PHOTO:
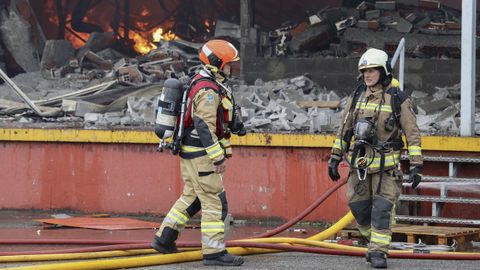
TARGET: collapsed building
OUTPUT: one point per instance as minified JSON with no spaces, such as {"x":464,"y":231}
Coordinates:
{"x":95,"y":64}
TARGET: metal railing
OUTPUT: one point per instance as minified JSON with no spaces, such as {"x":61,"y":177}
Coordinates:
{"x":400,"y":53}
{"x":443,"y":183}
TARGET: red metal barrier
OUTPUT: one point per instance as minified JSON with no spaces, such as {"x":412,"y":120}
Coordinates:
{"x":260,"y":182}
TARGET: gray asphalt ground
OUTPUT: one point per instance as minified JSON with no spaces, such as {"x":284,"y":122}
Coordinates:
{"x":294,"y":260}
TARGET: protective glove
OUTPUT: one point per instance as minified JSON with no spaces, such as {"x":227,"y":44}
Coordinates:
{"x":227,"y":147}
{"x":333,"y":168}
{"x":415,"y":176}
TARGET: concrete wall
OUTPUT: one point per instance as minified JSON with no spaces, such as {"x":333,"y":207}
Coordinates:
{"x":340,"y":73}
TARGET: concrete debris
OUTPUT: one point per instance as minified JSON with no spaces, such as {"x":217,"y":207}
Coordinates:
{"x":17,"y":35}
{"x":322,"y":33}
{"x":56,"y":54}
{"x":433,"y":106}
{"x":295,"y":104}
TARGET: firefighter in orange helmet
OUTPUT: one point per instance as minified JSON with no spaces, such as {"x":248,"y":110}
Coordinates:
{"x":209,"y":120}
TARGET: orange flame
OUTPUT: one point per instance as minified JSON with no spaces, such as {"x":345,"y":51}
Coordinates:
{"x":142,"y":37}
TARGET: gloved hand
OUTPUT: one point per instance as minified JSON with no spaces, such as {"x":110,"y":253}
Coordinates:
{"x":333,"y":168}
{"x":227,"y":147}
{"x":415,"y":176}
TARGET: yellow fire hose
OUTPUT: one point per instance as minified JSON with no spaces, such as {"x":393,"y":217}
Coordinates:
{"x":159,"y":259}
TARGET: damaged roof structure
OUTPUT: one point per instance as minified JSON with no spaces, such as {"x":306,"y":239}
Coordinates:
{"x":71,"y":69}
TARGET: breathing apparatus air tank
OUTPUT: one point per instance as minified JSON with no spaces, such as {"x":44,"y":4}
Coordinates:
{"x":168,"y":109}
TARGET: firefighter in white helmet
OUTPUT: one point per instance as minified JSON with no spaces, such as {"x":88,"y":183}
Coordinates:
{"x":375,"y":116}
{"x":209,"y":120}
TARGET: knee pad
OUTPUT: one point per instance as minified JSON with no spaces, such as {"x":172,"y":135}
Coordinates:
{"x":362,"y":211}
{"x":381,"y":213}
{"x":194,"y":207}
{"x":223,"y":200}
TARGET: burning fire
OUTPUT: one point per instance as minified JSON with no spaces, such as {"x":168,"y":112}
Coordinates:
{"x":144,"y":42}
{"x":142,"y":36}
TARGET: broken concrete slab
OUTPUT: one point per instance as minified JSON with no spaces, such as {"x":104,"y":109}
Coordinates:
{"x":385,"y":5}
{"x":447,"y":113}
{"x":372,"y":14}
{"x":16,"y":34}
{"x":95,"y":59}
{"x":368,"y":24}
{"x":227,"y":29}
{"x":80,"y":107}
{"x":403,"y":26}
{"x":56,"y":54}
{"x":433,"y":106}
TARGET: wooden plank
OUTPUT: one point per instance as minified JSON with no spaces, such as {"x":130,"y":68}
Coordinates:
{"x":436,"y":230}
{"x":411,"y":238}
{"x":318,"y":104}
{"x":441,"y":234}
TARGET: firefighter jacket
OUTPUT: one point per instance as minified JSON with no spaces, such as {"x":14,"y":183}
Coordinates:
{"x":208,"y":113}
{"x":369,"y":106}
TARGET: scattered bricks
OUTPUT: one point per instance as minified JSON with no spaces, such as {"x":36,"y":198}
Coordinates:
{"x":429,"y":4}
{"x":130,"y":74}
{"x":452,"y":25}
{"x":434,"y":106}
{"x":385,"y":5}
{"x":413,"y":3}
{"x":403,"y":26}
{"x":372,"y":25}
{"x":313,"y":38}
{"x":97,"y":60}
{"x":372,"y":14}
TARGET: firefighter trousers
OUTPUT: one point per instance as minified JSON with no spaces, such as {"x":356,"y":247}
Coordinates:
{"x":373,"y":206}
{"x":203,"y":190}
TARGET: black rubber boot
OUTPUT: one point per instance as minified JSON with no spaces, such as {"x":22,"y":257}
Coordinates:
{"x":377,"y":259}
{"x":223,"y":259}
{"x":166,"y":243}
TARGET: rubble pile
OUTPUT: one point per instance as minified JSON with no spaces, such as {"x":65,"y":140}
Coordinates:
{"x":296,"y":104}
{"x":345,"y":31}
{"x":99,"y":84}
{"x":440,"y":113}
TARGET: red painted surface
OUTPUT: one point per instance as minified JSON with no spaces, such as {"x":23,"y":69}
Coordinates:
{"x":133,"y":178}
{"x":261,"y":182}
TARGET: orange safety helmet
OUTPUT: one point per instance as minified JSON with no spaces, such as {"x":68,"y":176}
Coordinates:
{"x":216,"y":53}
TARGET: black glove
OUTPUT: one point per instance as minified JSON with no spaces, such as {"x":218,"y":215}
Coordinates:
{"x":333,"y":169}
{"x":415,"y":175}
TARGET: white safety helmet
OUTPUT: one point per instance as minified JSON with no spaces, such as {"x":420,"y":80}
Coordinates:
{"x":374,"y":58}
